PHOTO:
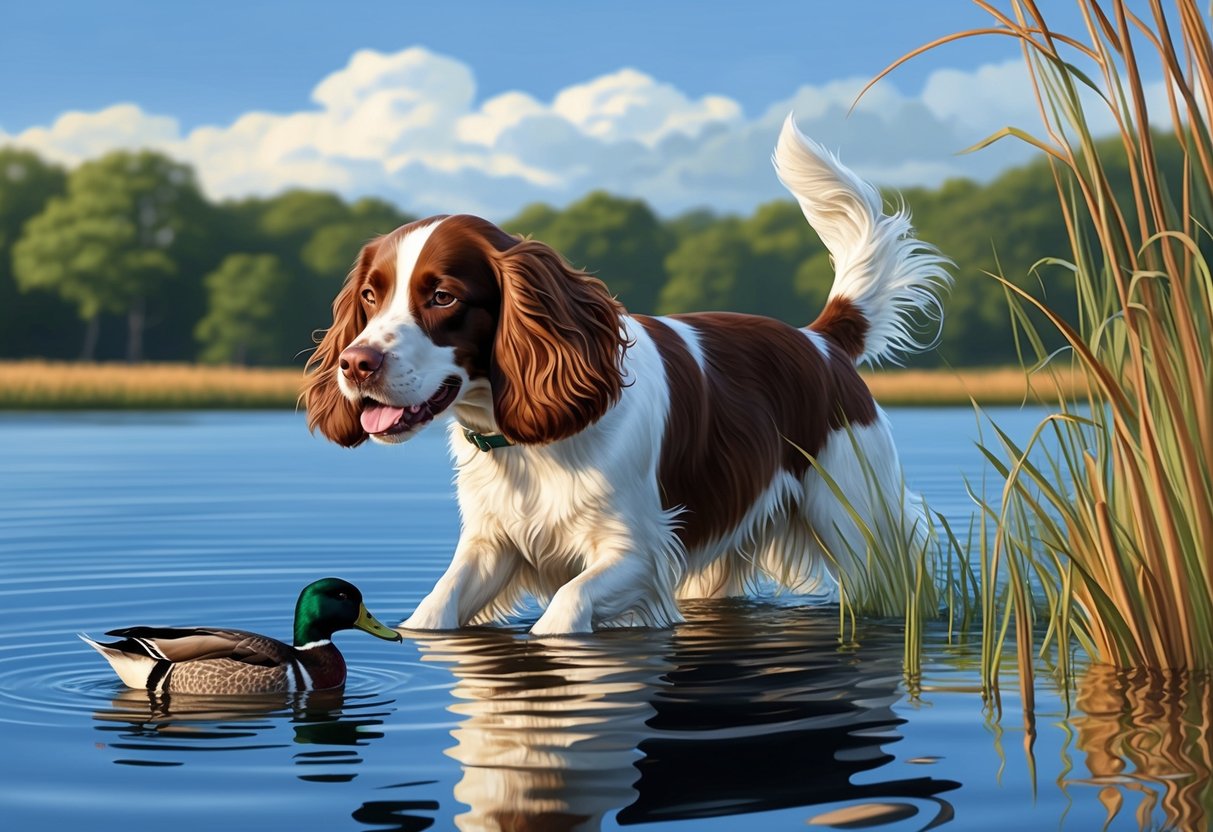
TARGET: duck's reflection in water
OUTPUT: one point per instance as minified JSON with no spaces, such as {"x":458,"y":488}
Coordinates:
{"x":746,"y":708}
{"x":161,"y":729}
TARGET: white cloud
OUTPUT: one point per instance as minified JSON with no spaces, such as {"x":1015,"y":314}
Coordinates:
{"x":631,"y":105}
{"x":995,"y":96}
{"x":496,"y":116}
{"x":407,"y":126}
{"x":76,"y":136}
{"x":984,"y":100}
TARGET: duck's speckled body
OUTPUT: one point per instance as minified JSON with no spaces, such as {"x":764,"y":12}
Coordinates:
{"x":220,"y":660}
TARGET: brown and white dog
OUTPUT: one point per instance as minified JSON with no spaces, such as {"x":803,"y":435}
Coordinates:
{"x":609,"y":463}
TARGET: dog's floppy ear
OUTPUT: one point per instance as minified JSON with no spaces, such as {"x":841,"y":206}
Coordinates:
{"x":327,"y":409}
{"x":558,"y":352}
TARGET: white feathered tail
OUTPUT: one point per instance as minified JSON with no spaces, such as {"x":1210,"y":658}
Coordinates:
{"x":892,"y":278}
{"x":134,"y":670}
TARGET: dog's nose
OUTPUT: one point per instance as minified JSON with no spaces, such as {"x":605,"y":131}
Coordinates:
{"x":360,"y":363}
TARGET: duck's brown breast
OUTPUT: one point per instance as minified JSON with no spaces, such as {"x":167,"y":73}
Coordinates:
{"x":322,"y":665}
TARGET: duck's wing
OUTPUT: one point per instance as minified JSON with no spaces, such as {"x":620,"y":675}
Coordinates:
{"x":190,"y":644}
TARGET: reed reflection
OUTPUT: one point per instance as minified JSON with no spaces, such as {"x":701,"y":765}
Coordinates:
{"x":1149,"y":735}
{"x":158,"y":729}
{"x":747,"y":707}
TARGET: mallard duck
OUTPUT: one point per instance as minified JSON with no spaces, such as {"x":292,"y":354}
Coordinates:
{"x":218,"y":660}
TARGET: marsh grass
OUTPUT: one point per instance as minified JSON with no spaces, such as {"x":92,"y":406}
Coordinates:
{"x":893,"y":568}
{"x":1108,"y":507}
{"x":36,"y":385}
{"x":43,"y":385}
{"x":990,"y":387}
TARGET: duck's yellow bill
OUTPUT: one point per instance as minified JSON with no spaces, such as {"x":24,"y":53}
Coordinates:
{"x":370,"y":624}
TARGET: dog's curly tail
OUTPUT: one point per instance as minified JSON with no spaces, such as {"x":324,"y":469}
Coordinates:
{"x":886,"y":282}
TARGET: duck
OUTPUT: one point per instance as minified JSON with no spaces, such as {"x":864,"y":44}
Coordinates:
{"x":214,"y":660}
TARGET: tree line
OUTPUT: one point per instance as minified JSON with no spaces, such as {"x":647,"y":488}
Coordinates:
{"x":124,"y":258}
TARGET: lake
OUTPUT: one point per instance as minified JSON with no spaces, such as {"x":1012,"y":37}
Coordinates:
{"x":749,"y":716}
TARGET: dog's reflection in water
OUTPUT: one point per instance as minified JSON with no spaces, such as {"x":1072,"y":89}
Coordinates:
{"x":748,"y":707}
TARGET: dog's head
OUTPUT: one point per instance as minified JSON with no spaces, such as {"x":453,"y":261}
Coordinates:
{"x":453,"y":312}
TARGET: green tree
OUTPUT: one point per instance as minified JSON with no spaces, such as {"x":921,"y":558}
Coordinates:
{"x":1003,"y":227}
{"x":779,"y":230}
{"x":742,"y":265}
{"x":294,"y":215}
{"x":689,"y":222}
{"x":316,"y":236}
{"x":619,"y":240}
{"x":27,"y":183}
{"x":705,"y":269}
{"x":245,"y":294}
{"x":107,"y":245}
{"x":333,"y":246}
{"x":780,"y":241}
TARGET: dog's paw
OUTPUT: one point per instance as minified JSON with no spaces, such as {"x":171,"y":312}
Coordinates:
{"x":431,"y":617}
{"x":564,"y":616}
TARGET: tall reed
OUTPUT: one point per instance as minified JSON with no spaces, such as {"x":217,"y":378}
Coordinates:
{"x":1110,"y":504}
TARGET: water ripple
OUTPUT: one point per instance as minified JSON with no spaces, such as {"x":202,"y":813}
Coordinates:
{"x":749,"y":708}
{"x":44,"y":684}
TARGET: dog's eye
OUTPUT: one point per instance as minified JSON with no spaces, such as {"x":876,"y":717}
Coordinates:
{"x":368,"y":295}
{"x":443,"y":298}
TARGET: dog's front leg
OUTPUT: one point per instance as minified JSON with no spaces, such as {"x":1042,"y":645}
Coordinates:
{"x":479,"y":571}
{"x":608,"y":588}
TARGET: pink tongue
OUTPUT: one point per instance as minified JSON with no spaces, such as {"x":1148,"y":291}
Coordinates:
{"x":379,"y":417}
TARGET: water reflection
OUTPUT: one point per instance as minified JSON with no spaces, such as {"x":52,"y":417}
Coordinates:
{"x":159,"y":729}
{"x":1148,"y":736}
{"x":748,"y":707}
{"x":396,"y":815}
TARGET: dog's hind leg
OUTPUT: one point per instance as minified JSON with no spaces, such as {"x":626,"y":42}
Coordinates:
{"x":726,"y":576}
{"x":792,"y":557}
{"x":875,"y":528}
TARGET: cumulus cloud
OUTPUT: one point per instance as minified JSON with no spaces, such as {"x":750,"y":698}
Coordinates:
{"x":75,"y":136}
{"x":408,"y":126}
{"x":631,"y":105}
{"x":995,"y":94}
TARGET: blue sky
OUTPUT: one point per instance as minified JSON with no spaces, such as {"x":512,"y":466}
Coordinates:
{"x":209,"y":62}
{"x":487,"y":106}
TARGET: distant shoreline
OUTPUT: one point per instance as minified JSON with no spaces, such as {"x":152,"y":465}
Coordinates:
{"x":51,"y":385}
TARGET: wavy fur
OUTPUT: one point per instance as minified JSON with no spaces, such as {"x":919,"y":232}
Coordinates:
{"x":653,"y":459}
{"x":328,"y":410}
{"x":893,"y":278}
{"x":559,"y":346}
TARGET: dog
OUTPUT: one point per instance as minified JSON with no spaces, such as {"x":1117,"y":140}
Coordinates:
{"x":609,"y":464}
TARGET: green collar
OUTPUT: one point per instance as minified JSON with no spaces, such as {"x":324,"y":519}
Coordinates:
{"x":486,"y":441}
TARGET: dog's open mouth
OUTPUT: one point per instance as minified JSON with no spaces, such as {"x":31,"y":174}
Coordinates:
{"x":385,"y":420}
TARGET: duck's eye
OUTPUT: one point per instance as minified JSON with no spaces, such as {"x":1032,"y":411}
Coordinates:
{"x":343,"y":596}
{"x":368,"y":295}
{"x":443,"y":298}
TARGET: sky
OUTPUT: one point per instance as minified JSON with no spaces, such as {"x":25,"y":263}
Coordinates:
{"x":485,"y":107}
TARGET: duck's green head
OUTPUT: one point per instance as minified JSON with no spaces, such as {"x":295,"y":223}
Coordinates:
{"x":332,"y":604}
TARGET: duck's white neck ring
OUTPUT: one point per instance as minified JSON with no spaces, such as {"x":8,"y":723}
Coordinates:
{"x":313,"y":644}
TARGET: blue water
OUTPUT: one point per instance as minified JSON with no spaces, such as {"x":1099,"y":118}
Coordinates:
{"x":749,"y":716}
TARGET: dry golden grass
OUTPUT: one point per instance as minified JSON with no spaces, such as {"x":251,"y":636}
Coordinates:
{"x":32,"y":385}
{"x":35,"y":385}
{"x":1008,"y":385}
